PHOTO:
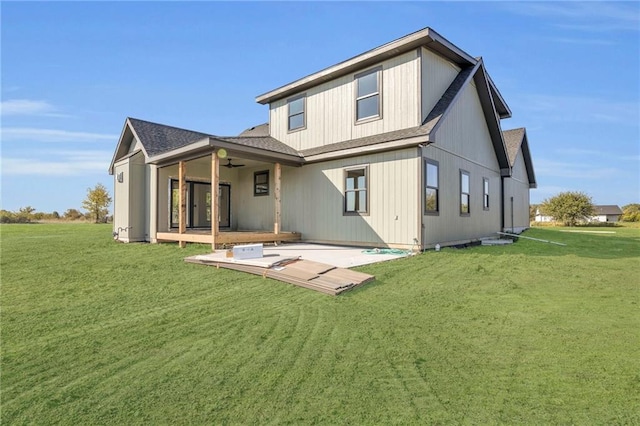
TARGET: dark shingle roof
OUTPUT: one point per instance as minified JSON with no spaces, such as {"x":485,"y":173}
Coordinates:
{"x":607,"y":209}
{"x":262,"y":142}
{"x":513,"y":139}
{"x":368,"y":140}
{"x":447,"y":98}
{"x":259,"y":130}
{"x":158,"y":138}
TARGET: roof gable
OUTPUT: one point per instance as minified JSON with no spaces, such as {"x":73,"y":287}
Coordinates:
{"x":478,"y":74}
{"x":426,"y":37}
{"x":607,"y":210}
{"x":517,"y":142}
{"x":161,"y":142}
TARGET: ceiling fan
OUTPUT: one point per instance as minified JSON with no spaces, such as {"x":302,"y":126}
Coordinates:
{"x":229,"y":165}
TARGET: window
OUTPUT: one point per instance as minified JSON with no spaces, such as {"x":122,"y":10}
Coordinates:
{"x":464,"y":193}
{"x":296,"y":113}
{"x":485,"y":193}
{"x":355,"y":191}
{"x":368,"y":95}
{"x":261,"y":183}
{"x":431,"y":186}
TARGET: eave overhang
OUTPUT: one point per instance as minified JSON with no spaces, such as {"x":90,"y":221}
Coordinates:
{"x":426,"y":37}
{"x":208,"y":145}
{"x":127,"y":130}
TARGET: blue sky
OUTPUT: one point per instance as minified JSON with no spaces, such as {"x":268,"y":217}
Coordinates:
{"x":73,"y":71}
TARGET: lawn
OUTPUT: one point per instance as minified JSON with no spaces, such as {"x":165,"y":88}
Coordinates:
{"x":99,"y":332}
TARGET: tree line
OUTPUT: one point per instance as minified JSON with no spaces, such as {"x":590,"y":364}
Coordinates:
{"x":95,"y":205}
{"x":573,"y":207}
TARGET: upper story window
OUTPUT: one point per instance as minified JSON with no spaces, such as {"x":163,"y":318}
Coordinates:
{"x":296,"y":113}
{"x":368,"y":99}
{"x":355,"y":190}
{"x":431,"y":187}
{"x":464,"y":193}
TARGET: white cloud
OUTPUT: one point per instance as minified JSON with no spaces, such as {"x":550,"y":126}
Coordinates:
{"x":582,"y":170}
{"x":588,"y":41}
{"x":584,"y":16}
{"x":68,"y":163}
{"x":559,"y":108}
{"x":28,"y":107}
{"x":592,"y":153}
{"x":28,"y":134}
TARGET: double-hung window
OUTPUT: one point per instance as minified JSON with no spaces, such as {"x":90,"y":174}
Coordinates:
{"x":368,"y":100}
{"x":464,"y":193}
{"x":356,"y":200}
{"x":296,"y":113}
{"x":485,"y":193}
{"x":261,"y":183}
{"x":431,"y":187}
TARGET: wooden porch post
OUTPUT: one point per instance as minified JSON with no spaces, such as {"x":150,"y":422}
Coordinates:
{"x":182,"y":201}
{"x":277,"y":181}
{"x":215,"y":178}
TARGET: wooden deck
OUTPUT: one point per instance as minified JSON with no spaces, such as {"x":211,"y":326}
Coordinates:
{"x":228,"y":238}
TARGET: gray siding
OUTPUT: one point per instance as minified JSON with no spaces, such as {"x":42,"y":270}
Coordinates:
{"x":463,"y":142}
{"x":517,"y":187}
{"x":254,"y":212}
{"x":130,"y":209}
{"x":330,"y":107}
{"x":313,"y":201}
{"x":437,"y":74}
{"x":121,"y":198}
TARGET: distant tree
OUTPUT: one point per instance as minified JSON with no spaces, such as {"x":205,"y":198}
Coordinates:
{"x":25,"y":214}
{"x":72,"y":214}
{"x":55,"y":215}
{"x":97,"y":202}
{"x":568,"y":207}
{"x":7,"y":217}
{"x":533,"y":209}
{"x":631,"y":213}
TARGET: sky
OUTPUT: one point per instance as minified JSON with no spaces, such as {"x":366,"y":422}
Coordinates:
{"x":73,"y":71}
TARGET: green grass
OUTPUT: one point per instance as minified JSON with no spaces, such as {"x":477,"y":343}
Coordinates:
{"x":98,"y":332}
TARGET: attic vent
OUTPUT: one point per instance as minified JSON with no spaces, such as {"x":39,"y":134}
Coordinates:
{"x":120,"y":177}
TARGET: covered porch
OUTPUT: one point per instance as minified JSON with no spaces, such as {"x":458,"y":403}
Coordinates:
{"x":239,"y":186}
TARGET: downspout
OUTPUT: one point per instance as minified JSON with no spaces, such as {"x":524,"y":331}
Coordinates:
{"x":419,"y":239}
{"x":502,"y":203}
{"x":511,"y":214}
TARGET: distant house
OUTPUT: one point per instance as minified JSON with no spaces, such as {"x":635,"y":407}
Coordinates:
{"x":401,"y":146}
{"x":541,"y":217}
{"x":607,"y":213}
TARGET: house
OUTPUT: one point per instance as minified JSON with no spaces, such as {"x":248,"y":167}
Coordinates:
{"x":608,"y":213}
{"x":542,"y":218}
{"x":517,"y":184}
{"x":400,"y":146}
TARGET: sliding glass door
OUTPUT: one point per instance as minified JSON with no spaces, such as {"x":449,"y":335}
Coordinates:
{"x":199,"y":205}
